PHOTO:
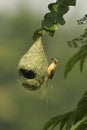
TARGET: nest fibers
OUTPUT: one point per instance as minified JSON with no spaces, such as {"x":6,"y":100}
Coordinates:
{"x":33,"y":67}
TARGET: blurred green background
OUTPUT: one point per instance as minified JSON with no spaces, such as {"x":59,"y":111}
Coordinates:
{"x":21,"y":109}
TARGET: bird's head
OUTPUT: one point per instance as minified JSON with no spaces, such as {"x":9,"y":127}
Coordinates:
{"x":54,"y":60}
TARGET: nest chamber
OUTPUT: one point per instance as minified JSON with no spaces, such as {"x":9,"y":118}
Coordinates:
{"x":32,"y":67}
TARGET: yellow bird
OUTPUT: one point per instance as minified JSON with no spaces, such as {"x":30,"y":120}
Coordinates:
{"x":50,"y":73}
{"x":51,"y":68}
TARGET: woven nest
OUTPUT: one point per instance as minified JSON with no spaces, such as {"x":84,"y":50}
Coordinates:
{"x":33,"y":67}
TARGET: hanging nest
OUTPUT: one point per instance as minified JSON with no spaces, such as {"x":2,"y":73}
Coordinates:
{"x":33,"y":67}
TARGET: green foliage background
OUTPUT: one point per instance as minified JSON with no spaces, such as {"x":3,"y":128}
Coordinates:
{"x":23,"y":110}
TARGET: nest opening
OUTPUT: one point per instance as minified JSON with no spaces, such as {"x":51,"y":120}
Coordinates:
{"x":29,"y":74}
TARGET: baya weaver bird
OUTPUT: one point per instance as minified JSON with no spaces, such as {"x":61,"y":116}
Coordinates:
{"x":50,"y":73}
{"x":51,"y":68}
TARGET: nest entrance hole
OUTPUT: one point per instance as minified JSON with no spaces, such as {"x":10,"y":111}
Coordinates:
{"x":29,"y":74}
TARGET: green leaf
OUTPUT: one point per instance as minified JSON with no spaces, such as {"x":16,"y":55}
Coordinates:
{"x":57,"y":121}
{"x":75,"y":58}
{"x":61,"y":20}
{"x":78,"y":124}
{"x":83,"y":101}
{"x":82,"y":61}
{"x":82,"y":127}
{"x":50,"y":22}
{"x":61,"y":120}
{"x":53,"y":7}
{"x":55,"y":16}
{"x":79,"y":112}
{"x":65,"y":119}
{"x":59,"y":1}
{"x":74,"y":120}
{"x":71,"y":62}
{"x":49,"y":26}
{"x":69,"y":2}
{"x":51,"y":17}
{"x":62,"y":9}
{"x":51,"y":122}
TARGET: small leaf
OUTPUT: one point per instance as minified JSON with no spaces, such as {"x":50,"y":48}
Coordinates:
{"x":75,"y":58}
{"x":65,"y":119}
{"x":59,"y":1}
{"x":51,"y":122}
{"x":83,"y":126}
{"x":51,"y":17}
{"x":49,"y":26}
{"x":57,"y":121}
{"x":53,"y":7}
{"x":71,"y":62}
{"x":80,"y":111}
{"x":83,"y":101}
{"x":82,"y":61}
{"x":78,"y":124}
{"x":50,"y":22}
{"x":62,"y":9}
{"x":69,"y":2}
{"x":48,"y":124}
{"x":61,"y":20}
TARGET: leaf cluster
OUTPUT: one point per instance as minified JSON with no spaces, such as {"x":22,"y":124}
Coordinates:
{"x":52,"y":19}
{"x":80,"y":43}
{"x":83,"y":20}
{"x":82,"y":39}
{"x":74,"y":120}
